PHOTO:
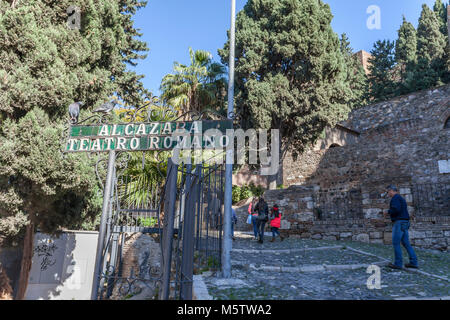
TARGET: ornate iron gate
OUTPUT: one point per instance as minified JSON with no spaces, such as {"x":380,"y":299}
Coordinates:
{"x":184,"y":215}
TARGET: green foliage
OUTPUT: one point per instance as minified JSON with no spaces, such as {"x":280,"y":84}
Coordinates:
{"x":431,"y":49}
{"x":421,"y":56}
{"x":145,"y":170}
{"x":245,"y":192}
{"x":45,"y":67}
{"x":45,"y":64}
{"x":406,"y":45}
{"x":406,"y":55}
{"x":381,"y":66}
{"x":290,"y":72}
{"x":196,"y":87}
{"x":212,"y":262}
{"x":440,"y":9}
{"x":356,"y":75}
{"x":148,"y":222}
{"x":40,"y":184}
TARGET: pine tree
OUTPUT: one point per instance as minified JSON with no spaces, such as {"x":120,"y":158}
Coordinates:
{"x":381,"y":66}
{"x":356,"y":75}
{"x":290,"y":72}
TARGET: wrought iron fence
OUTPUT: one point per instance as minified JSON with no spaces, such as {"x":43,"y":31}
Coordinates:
{"x":338,"y":205}
{"x":184,"y":215}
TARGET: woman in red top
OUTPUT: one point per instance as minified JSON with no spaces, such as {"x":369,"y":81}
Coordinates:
{"x":275,"y":223}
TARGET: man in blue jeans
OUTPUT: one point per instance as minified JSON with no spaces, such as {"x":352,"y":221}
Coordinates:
{"x":398,"y":211}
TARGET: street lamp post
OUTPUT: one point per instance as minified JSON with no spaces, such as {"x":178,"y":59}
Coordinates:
{"x":227,"y":243}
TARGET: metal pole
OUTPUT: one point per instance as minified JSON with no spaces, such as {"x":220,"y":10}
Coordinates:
{"x":227,"y":243}
{"x":102,"y":231}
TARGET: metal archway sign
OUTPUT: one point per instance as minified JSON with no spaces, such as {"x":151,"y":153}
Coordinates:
{"x":101,"y":137}
{"x":143,"y":136}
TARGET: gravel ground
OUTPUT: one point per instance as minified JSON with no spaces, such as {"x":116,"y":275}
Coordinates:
{"x":253,"y":277}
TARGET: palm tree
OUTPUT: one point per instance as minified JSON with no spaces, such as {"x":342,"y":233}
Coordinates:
{"x":196,"y":87}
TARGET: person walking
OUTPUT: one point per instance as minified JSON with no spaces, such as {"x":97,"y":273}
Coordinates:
{"x":254,"y":214}
{"x":234,"y":221}
{"x":398,"y":212}
{"x":275,"y":223}
{"x":263,"y":216}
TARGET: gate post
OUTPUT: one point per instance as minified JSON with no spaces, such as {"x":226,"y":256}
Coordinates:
{"x":168,"y":231}
{"x":187,"y":267}
{"x":102,"y":231}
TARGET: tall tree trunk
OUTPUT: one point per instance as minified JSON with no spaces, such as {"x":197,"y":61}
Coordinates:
{"x":27,"y":257}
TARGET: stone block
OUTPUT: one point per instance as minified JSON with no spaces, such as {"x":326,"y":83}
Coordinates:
{"x":345,"y":235}
{"x":447,"y":233}
{"x":304,"y":216}
{"x":305,"y":235}
{"x":330,"y":238}
{"x":285,"y":225}
{"x":417,"y":234}
{"x":434,"y":234}
{"x":371,"y":213}
{"x":376,"y":235}
{"x":363,"y":237}
{"x":378,"y":241}
{"x":317,"y":236}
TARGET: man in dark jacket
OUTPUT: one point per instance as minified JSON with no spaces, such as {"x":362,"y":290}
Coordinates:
{"x":263,"y":216}
{"x":398,"y":212}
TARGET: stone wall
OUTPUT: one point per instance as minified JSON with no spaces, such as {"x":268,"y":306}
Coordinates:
{"x":335,"y":188}
{"x":140,"y":259}
{"x":400,"y":141}
{"x":301,"y":219}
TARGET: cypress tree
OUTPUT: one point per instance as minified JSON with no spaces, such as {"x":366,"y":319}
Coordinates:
{"x":381,"y":78}
{"x":406,"y":53}
{"x":431,"y":51}
{"x":46,"y":66}
{"x":406,"y":45}
{"x":440,"y":9}
{"x":290,"y":72}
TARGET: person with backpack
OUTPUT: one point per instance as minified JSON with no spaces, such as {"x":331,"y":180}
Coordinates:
{"x":275,"y":223}
{"x":263,"y":216}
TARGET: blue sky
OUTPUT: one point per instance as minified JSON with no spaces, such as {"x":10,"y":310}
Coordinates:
{"x":171,"y":26}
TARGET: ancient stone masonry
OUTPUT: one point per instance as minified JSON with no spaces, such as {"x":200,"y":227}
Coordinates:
{"x":336,"y":187}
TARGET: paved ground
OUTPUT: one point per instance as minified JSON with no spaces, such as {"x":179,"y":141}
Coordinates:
{"x":317,"y":269}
